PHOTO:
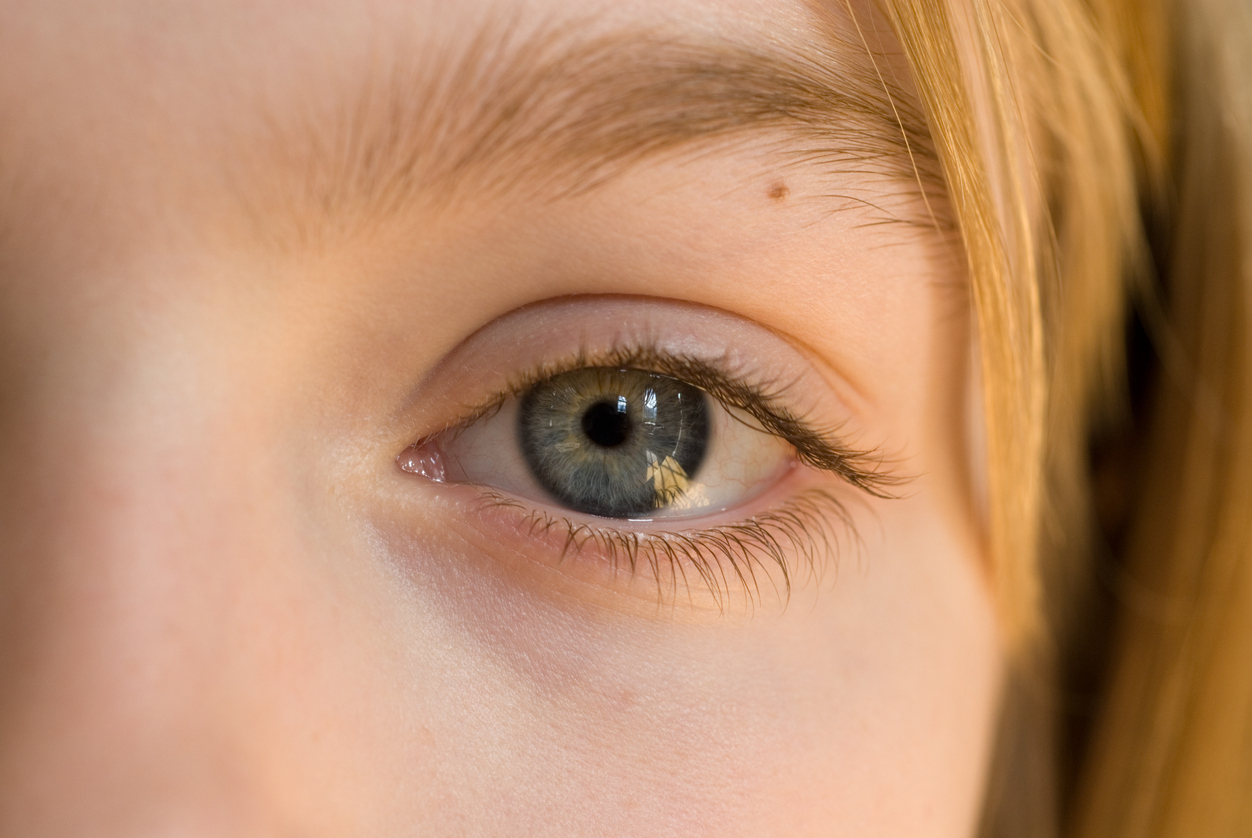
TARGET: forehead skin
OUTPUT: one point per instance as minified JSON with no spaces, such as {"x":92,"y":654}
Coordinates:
{"x":235,"y":237}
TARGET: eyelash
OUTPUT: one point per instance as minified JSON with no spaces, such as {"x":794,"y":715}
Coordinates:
{"x":797,"y":537}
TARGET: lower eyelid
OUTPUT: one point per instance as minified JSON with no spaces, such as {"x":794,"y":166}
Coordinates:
{"x":793,"y":537}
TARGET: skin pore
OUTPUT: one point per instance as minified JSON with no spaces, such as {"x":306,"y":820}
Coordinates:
{"x":252,"y":253}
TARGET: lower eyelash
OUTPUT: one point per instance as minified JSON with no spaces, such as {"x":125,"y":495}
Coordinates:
{"x":796,"y":543}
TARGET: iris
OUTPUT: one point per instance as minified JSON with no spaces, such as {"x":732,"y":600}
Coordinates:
{"x":618,"y":443}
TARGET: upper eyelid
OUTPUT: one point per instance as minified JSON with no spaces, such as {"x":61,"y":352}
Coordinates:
{"x":866,"y":470}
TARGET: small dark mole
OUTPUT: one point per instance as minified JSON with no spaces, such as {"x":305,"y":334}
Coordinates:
{"x":779,"y":191}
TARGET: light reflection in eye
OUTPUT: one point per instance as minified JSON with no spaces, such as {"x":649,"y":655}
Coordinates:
{"x":649,"y":406}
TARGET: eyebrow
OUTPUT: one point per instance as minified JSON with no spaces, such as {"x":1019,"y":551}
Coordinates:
{"x":558,"y":113}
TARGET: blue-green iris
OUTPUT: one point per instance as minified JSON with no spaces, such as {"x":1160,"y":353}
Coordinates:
{"x":601,"y":440}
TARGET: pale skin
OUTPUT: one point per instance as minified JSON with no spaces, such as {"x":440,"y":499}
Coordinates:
{"x":225,"y":609}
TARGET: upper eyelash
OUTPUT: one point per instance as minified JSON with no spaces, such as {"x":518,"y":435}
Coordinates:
{"x":865,"y":470}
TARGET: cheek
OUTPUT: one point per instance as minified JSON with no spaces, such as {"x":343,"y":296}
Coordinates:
{"x":899,"y":671}
{"x":865,"y":706}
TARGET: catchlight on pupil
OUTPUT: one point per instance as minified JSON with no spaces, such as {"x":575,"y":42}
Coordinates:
{"x":618,"y":443}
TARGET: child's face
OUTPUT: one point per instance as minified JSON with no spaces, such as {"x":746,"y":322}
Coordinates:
{"x":252,"y":252}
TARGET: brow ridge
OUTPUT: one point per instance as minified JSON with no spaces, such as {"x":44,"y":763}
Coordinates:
{"x":558,"y":113}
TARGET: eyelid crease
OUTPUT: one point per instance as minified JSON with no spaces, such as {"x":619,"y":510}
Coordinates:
{"x":822,"y":450}
{"x":798,"y":540}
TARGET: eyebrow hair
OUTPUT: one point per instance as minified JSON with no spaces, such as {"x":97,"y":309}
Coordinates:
{"x":558,"y":113}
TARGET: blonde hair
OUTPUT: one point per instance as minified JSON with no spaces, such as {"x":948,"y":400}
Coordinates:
{"x":1098,"y":154}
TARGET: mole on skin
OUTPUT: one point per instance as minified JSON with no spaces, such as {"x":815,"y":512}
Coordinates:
{"x":779,"y":191}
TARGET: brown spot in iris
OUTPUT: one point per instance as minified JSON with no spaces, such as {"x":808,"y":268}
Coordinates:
{"x":779,"y":191}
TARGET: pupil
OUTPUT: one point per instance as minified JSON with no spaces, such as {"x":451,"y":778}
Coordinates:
{"x":607,"y":424}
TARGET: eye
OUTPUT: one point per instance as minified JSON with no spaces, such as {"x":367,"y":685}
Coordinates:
{"x":615,"y":443}
{"x":647,"y":450}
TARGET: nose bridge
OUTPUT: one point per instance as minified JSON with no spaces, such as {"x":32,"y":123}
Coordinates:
{"x":142,"y":536}
{"x":147,"y":535}
{"x":139,"y":505}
